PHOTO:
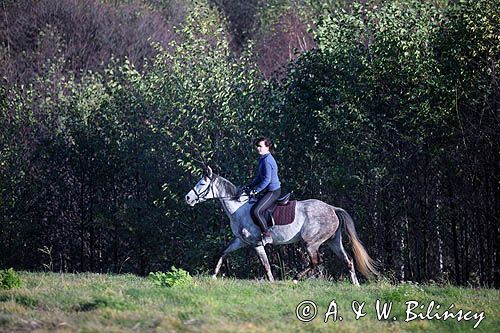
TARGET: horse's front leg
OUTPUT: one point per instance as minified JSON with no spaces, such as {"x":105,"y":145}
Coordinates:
{"x":261,"y":252}
{"x":233,"y":246}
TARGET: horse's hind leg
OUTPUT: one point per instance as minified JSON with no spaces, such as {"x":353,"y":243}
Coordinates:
{"x":233,"y":246}
{"x":312,"y":250}
{"x":335,"y":244}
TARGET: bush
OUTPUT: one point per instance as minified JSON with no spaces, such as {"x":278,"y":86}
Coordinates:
{"x":9,"y":279}
{"x":176,"y":277}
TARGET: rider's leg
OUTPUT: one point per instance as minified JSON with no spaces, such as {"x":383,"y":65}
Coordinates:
{"x":260,"y":207}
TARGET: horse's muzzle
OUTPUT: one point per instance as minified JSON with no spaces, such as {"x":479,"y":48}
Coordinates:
{"x":190,"y":199}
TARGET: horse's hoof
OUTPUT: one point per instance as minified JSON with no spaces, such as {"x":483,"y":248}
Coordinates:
{"x":214,"y":277}
{"x":295,"y":281}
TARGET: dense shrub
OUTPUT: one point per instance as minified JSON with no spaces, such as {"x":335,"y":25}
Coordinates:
{"x":9,"y":279}
{"x":175,"y":277}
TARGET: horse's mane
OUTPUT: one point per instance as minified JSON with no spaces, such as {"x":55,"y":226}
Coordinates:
{"x":229,"y":188}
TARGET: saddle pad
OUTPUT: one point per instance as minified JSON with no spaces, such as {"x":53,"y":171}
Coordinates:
{"x":284,"y":214}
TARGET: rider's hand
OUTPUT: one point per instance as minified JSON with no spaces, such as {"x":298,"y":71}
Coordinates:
{"x":241,"y":191}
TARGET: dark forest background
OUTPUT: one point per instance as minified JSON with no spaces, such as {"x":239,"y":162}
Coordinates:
{"x":388,"y":109}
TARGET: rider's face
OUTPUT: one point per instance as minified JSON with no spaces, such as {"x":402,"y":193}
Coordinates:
{"x":262,"y":148}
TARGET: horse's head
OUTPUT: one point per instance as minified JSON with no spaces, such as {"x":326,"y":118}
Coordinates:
{"x":203,"y":190}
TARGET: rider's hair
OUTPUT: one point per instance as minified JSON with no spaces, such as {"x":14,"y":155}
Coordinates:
{"x":266,"y":140}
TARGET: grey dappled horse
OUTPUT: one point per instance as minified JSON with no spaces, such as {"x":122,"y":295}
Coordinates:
{"x":315,"y":223}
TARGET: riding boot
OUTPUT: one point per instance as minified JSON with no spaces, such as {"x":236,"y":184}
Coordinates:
{"x":267,"y":238}
{"x":266,"y":235}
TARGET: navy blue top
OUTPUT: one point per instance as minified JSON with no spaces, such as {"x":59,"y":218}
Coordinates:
{"x":267,"y":177}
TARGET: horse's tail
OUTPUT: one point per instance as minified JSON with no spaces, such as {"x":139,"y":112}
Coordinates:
{"x":365,"y":264}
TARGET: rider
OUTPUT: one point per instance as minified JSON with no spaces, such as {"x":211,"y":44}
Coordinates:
{"x":266,"y":183}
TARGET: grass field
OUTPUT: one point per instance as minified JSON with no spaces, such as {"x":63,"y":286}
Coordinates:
{"x":118,"y":303}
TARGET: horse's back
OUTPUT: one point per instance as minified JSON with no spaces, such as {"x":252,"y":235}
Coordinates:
{"x":314,"y":204}
{"x":319,"y":219}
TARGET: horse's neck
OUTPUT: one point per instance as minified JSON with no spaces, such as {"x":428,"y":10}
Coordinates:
{"x":226,"y":192}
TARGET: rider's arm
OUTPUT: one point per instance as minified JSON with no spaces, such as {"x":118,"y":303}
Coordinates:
{"x":266,"y":179}
{"x":258,"y":179}
{"x":254,"y":182}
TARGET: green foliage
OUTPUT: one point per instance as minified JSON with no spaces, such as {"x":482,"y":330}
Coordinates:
{"x":381,"y":106}
{"x":210,"y":97}
{"x":175,"y":277}
{"x":9,"y":279}
{"x":394,"y":117}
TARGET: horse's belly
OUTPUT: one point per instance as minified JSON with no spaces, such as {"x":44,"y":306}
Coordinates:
{"x":286,"y":234}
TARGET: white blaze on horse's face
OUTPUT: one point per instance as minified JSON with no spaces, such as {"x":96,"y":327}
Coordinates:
{"x":200,"y":192}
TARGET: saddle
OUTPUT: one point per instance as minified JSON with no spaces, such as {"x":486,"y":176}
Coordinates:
{"x":282,"y":212}
{"x":283,"y":200}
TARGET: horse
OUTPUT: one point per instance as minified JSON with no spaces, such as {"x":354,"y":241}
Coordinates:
{"x":315,"y":223}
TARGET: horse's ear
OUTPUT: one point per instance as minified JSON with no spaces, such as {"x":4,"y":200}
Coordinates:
{"x":209,"y":172}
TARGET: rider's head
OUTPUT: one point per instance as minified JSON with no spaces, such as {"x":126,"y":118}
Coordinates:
{"x":264,"y":145}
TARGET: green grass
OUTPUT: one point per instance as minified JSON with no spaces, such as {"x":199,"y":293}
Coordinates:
{"x":117,"y":303}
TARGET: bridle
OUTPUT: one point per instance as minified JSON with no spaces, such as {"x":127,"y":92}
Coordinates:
{"x":203,"y":194}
